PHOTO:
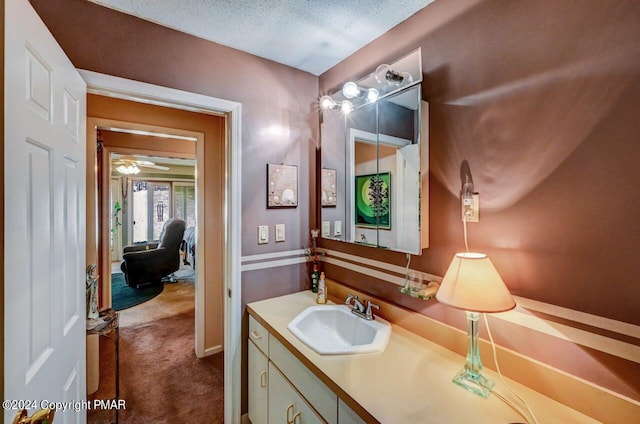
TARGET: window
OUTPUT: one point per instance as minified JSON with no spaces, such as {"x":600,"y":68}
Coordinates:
{"x":151,"y":208}
{"x":184,"y":202}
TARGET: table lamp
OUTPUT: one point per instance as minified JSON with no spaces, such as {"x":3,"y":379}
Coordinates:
{"x":473,"y":284}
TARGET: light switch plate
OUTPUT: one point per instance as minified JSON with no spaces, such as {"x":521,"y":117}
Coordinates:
{"x":326,"y":228}
{"x":279,"y":232}
{"x":263,"y":234}
{"x":337,"y":228}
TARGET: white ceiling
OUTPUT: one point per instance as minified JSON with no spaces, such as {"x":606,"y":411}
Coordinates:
{"x":311,"y":35}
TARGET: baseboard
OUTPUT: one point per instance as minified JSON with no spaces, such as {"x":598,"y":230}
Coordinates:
{"x":213,"y":350}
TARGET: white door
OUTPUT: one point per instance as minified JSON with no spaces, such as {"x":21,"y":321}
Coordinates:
{"x":44,"y":213}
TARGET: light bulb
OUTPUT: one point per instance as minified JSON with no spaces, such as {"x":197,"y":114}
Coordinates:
{"x":346,"y":107}
{"x":385,"y":75}
{"x":372,"y":95}
{"x":327,"y":102}
{"x":350,"y":90}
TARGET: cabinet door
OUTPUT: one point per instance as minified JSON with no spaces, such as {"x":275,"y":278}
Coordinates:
{"x":281,"y":398}
{"x":286,"y":405}
{"x":346,"y":414}
{"x":304,"y":414}
{"x":258,"y":383}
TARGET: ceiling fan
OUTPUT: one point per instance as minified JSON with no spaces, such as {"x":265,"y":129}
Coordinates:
{"x":131,"y":166}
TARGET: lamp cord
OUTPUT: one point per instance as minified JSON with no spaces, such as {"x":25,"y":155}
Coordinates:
{"x":464,"y":227}
{"x":495,"y":355}
{"x":495,"y":360}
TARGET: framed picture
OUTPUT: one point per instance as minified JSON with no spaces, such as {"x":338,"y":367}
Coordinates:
{"x":282,"y":186}
{"x":328,"y":182}
{"x":373,"y":201}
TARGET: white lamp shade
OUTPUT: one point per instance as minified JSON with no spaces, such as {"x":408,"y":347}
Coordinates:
{"x":472,"y":283}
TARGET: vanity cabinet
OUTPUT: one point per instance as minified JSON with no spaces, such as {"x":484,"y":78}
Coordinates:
{"x":283,"y":390}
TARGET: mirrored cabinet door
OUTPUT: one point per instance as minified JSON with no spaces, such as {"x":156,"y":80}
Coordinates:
{"x":375,"y":164}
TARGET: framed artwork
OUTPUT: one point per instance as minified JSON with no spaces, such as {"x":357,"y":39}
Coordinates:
{"x":282,"y":186}
{"x":328,"y":183}
{"x":373,"y":201}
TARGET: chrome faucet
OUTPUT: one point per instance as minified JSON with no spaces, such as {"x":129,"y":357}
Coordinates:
{"x":360,"y":309}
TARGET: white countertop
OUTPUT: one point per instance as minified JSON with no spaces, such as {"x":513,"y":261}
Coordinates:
{"x":410,"y":382}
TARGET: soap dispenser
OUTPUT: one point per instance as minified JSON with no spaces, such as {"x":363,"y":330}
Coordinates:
{"x":322,"y":290}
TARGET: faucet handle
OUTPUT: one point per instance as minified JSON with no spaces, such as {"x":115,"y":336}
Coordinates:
{"x":368,"y":313}
{"x":349,"y":297}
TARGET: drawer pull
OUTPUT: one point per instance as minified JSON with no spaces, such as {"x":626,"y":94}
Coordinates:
{"x":255,"y":335}
{"x":289,"y":410}
{"x":263,"y":379}
{"x":295,"y":417}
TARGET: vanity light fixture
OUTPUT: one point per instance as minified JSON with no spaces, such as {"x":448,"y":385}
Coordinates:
{"x":473,"y":284}
{"x":369,"y":89}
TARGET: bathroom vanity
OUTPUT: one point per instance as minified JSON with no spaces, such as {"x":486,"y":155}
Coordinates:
{"x":408,"y":382}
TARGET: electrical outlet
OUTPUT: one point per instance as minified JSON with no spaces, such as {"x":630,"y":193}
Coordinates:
{"x":472,"y":212}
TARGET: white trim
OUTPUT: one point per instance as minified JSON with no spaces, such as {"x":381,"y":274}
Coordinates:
{"x":213,"y":350}
{"x":273,"y":264}
{"x":262,"y":256}
{"x":575,"y":335}
{"x":365,"y":271}
{"x":583,"y":317}
{"x":377,"y":264}
{"x":122,"y":88}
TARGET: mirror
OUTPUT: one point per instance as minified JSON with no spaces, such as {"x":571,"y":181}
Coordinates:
{"x":374,"y":187}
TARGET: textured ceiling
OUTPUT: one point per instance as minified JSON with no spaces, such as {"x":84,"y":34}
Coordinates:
{"x":311,"y":35}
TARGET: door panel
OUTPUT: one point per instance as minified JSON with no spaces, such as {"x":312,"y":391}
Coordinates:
{"x":44,"y":213}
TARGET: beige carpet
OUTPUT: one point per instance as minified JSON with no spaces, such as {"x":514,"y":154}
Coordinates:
{"x":176,"y":298}
{"x":161,"y":380}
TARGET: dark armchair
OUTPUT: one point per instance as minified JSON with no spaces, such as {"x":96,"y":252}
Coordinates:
{"x":149,"y":263}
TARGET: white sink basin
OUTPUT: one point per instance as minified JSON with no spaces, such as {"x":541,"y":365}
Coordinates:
{"x":334,"y":330}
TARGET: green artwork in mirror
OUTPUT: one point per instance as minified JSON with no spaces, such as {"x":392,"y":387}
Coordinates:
{"x":373,"y":197}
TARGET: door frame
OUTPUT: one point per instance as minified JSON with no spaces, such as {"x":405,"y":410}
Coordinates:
{"x":122,"y":88}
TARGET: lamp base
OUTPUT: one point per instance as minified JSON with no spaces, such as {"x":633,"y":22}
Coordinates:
{"x":474,"y":382}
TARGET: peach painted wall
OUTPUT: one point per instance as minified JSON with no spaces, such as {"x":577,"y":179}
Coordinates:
{"x":213,"y":128}
{"x":541,"y":99}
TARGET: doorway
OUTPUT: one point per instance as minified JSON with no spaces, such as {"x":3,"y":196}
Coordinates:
{"x":229,"y":231}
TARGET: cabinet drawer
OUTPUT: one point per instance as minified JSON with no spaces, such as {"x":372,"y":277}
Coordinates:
{"x":323,"y":399}
{"x":259,"y":335}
